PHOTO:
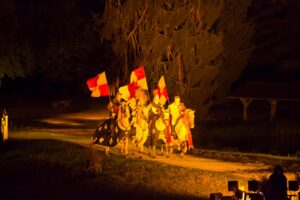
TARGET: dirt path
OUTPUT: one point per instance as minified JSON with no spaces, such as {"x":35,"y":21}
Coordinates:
{"x":82,"y":137}
{"x":78,"y":128}
{"x":208,"y":164}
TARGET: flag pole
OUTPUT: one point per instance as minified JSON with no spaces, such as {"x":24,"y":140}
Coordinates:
{"x":109,"y":91}
{"x":148,"y":95}
{"x":168,"y":95}
{"x":109,"y":94}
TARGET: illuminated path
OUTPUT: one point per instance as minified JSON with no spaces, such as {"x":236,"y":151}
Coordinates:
{"x":83,"y":137}
{"x":75,"y":131}
{"x":208,"y":164}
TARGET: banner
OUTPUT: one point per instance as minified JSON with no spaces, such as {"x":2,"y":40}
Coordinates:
{"x":128,"y":91}
{"x":138,"y":76}
{"x":98,"y":85}
{"x":162,"y":89}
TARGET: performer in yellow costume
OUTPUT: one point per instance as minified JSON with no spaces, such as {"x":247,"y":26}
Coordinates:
{"x":123,"y":121}
{"x":155,"y":110}
{"x":175,"y":113}
{"x":177,"y":110}
{"x":113,"y":106}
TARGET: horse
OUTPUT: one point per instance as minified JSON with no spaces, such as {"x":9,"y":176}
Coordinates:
{"x":141,"y":127}
{"x":159,"y":133}
{"x":113,"y":131}
{"x":124,"y":125}
{"x":183,"y":131}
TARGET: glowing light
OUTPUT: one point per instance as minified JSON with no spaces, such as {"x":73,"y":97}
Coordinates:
{"x":77,"y":119}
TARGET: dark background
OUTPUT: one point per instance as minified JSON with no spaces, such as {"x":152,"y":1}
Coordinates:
{"x":56,"y":47}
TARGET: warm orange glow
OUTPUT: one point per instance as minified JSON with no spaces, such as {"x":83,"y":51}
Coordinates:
{"x":60,"y":122}
{"x":77,"y":119}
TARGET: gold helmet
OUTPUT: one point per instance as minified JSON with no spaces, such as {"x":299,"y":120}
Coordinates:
{"x":177,"y":100}
{"x":118,"y":96}
{"x":156,"y":99}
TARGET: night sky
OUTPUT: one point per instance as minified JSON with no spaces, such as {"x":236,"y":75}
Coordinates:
{"x":54,"y":46}
{"x":276,"y":42}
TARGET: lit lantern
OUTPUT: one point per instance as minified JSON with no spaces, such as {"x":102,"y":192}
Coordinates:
{"x":4,"y":126}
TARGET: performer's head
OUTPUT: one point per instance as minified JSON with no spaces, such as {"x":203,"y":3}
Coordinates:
{"x":156,"y":99}
{"x":278,"y":170}
{"x":177,"y":100}
{"x":162,"y":100}
{"x":118,"y":96}
{"x":123,"y":102}
{"x":182,"y":106}
{"x":132,"y":102}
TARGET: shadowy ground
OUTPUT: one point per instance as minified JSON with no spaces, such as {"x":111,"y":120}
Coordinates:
{"x":50,"y":169}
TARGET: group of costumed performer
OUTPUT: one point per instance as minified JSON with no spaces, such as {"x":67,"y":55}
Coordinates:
{"x":136,"y":100}
{"x":137,"y":106}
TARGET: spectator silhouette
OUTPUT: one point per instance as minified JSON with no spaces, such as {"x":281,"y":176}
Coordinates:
{"x":277,"y":185}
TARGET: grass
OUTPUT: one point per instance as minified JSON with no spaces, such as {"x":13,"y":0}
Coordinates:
{"x":47,"y":168}
{"x":281,"y":137}
{"x":52,"y":169}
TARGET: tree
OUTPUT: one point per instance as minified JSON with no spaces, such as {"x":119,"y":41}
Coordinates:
{"x":200,"y":46}
{"x":54,"y":41}
{"x":16,"y":58}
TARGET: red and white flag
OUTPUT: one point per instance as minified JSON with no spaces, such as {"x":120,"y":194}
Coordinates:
{"x":98,"y":85}
{"x":138,"y":76}
{"x":162,"y":89}
{"x":128,"y":91}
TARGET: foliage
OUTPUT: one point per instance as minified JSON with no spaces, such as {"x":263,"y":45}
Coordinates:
{"x":37,"y":164}
{"x":200,"y":46}
{"x":51,"y":40}
{"x":275,"y":53}
{"x":16,"y":58}
{"x":15,"y":63}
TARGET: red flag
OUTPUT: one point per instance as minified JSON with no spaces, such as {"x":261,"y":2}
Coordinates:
{"x":139,"y":76}
{"x":162,"y":89}
{"x":98,"y":85}
{"x":128,"y":91}
{"x":131,"y":88}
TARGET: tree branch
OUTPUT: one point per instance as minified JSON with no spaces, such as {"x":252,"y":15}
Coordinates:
{"x":140,"y":20}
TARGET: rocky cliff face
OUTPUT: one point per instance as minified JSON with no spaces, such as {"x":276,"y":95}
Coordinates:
{"x":200,"y":47}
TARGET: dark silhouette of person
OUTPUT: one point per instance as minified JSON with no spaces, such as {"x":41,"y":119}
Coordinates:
{"x":277,"y":185}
